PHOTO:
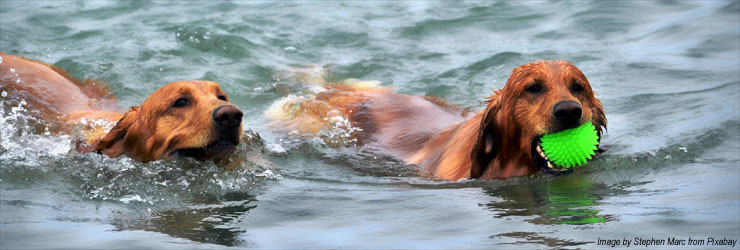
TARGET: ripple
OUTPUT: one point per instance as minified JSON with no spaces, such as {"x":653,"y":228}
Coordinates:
{"x":225,"y":45}
{"x":500,"y":16}
{"x":337,"y":38}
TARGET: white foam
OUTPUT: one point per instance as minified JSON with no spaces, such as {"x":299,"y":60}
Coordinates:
{"x":275,"y":148}
{"x":20,"y":144}
{"x":267,"y":174}
{"x":129,"y":198}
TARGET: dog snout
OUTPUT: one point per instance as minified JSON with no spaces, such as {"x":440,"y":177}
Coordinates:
{"x":567,"y":114}
{"x":227,"y":116}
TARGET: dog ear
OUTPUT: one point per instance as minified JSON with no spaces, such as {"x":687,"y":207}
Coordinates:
{"x":112,"y":144}
{"x":599,"y":120}
{"x":485,"y":148}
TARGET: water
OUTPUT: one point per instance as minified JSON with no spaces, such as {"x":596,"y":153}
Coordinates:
{"x":667,"y":72}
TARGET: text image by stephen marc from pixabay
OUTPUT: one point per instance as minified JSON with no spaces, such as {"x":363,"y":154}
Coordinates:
{"x":668,"y":242}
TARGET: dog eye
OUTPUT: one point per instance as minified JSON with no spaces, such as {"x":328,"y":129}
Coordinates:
{"x":182,"y":102}
{"x":576,"y":88}
{"x":222,"y":98}
{"x":534,"y":88}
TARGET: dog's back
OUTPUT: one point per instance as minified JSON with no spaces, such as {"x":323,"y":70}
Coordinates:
{"x":403,"y":124}
{"x":57,"y":100}
{"x":51,"y":91}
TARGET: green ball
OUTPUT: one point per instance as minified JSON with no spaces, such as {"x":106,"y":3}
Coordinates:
{"x":572,"y":147}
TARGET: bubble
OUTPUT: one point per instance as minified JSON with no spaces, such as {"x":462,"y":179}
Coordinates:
{"x":193,"y":39}
{"x":1,"y":60}
{"x":4,"y":94}
{"x":18,"y":80}
{"x":12,"y":70}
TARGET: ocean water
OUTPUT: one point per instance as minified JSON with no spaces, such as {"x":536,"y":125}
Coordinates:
{"x":667,"y":72}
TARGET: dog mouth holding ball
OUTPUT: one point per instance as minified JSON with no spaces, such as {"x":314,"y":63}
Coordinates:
{"x":569,"y":149}
{"x":570,"y":144}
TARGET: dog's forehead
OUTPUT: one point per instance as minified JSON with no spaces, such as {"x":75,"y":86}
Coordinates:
{"x":545,"y":68}
{"x":200,"y":87}
{"x":547,"y":72}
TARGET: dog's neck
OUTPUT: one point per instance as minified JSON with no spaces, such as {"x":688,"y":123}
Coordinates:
{"x":442,"y":153}
{"x":447,"y":154}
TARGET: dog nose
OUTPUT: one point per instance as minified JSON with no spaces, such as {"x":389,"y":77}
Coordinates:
{"x":567,"y":114}
{"x":227,"y":116}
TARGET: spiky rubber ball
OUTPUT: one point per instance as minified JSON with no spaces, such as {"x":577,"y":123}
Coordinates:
{"x":572,"y":147}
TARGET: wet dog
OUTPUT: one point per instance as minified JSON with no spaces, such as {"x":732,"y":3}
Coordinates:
{"x":181,"y":119}
{"x":498,"y":142}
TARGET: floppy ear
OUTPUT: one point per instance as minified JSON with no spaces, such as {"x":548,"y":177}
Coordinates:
{"x":485,"y":148}
{"x":599,"y":118}
{"x":112,"y":143}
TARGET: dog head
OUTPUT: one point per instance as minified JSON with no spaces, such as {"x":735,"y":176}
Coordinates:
{"x":539,"y":98}
{"x":182,"y":119}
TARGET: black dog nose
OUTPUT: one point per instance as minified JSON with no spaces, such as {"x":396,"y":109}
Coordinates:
{"x":567,"y":114}
{"x":227,"y":116}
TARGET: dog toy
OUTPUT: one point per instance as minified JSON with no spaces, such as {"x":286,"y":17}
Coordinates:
{"x":572,"y":147}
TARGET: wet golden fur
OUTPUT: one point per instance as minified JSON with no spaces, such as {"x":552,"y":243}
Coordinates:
{"x":491,"y":144}
{"x":147,"y":132}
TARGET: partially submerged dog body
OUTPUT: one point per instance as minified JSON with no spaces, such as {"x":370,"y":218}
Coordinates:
{"x":498,"y":142}
{"x":185,"y":118}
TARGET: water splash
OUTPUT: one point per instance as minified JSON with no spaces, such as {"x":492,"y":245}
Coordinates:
{"x":275,"y":148}
{"x":19,"y":144}
{"x":268,"y":174}
{"x":29,"y":151}
{"x":137,"y":198}
{"x":163,"y":184}
{"x":340,"y":131}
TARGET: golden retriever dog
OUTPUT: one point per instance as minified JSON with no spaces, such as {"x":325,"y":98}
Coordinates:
{"x":498,"y":142}
{"x":182,"y":119}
